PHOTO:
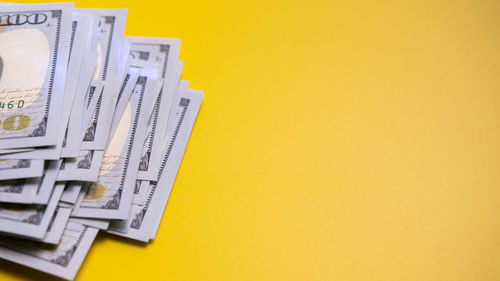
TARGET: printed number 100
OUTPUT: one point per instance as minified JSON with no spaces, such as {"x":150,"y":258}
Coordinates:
{"x":16,"y":123}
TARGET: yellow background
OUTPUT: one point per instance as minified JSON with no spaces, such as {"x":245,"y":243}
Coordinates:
{"x":338,"y":140}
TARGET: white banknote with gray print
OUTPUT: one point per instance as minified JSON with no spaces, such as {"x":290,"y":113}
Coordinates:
{"x":110,"y":37}
{"x":56,"y":226}
{"x":142,"y":186}
{"x":19,"y":191}
{"x":80,"y":34}
{"x":136,"y":60}
{"x":73,"y":140}
{"x":30,"y":220}
{"x":144,"y":220}
{"x":71,"y":191}
{"x":35,"y":43}
{"x":84,"y":168}
{"x":62,"y":260}
{"x":83,"y":29}
{"x":111,"y":195}
{"x":31,"y":190}
{"x":164,"y":52}
{"x":124,"y":96}
{"x":20,"y":168}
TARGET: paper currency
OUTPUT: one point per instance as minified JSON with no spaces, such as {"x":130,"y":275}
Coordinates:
{"x":80,"y":33}
{"x":144,"y":219}
{"x":93,"y":126}
{"x":73,"y":140}
{"x":111,"y":196}
{"x":111,"y":26}
{"x":166,"y":59}
{"x":35,"y":44}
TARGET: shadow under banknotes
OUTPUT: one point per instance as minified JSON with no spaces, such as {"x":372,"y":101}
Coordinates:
{"x":104,"y":235}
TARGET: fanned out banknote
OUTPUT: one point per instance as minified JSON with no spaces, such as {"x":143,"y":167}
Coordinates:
{"x":93,"y":128}
{"x":144,"y":219}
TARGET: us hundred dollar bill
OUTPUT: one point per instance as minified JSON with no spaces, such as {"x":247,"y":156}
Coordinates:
{"x":144,"y":219}
{"x":111,"y":195}
{"x":73,"y":140}
{"x":165,"y":55}
{"x":34,"y":53}
{"x":80,"y":34}
{"x":97,"y":119}
{"x":142,"y":186}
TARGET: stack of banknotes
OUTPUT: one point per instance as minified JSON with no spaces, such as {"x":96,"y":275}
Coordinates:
{"x":93,"y":127}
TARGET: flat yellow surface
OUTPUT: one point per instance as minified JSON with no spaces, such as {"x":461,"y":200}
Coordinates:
{"x":338,"y":140}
